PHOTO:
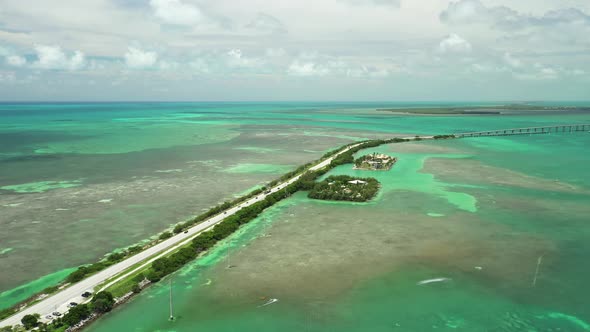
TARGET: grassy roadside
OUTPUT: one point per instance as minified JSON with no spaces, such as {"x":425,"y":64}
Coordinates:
{"x":127,"y":284}
{"x":131,"y":280}
{"x":193,"y":247}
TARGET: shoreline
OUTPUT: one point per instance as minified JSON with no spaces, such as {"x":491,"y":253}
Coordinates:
{"x":14,"y":319}
{"x":287,"y":186}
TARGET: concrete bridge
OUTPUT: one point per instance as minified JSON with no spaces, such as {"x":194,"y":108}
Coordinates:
{"x":528,"y":131}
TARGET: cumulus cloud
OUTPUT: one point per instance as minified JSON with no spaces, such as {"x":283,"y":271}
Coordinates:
{"x":486,"y":68}
{"x":176,"y":12}
{"x":299,"y":68}
{"x":275,"y":52}
{"x":168,"y":65}
{"x":538,"y":72}
{"x":77,"y":61}
{"x":136,"y":58}
{"x":392,"y":3}
{"x":53,"y":57}
{"x":7,"y":77}
{"x":454,"y":44}
{"x":16,"y":60}
{"x":366,"y":71}
{"x":267,"y":23}
{"x":235,"y":58}
{"x":200,"y":66}
{"x":512,"y":61}
{"x":502,"y":17}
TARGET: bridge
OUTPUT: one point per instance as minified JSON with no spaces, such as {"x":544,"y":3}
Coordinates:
{"x":528,"y":131}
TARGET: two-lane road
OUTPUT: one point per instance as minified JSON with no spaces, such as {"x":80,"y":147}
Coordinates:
{"x":58,"y":301}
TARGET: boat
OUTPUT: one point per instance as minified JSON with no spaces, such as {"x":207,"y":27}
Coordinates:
{"x":430,"y":281}
{"x":269,"y":302}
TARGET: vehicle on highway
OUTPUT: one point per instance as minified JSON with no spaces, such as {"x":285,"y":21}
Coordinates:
{"x":86,"y":294}
{"x":185,"y":232}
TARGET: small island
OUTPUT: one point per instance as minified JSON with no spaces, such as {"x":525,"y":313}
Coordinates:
{"x":345,"y":188}
{"x":375,"y":162}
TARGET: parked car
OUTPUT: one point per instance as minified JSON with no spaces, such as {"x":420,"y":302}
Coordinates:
{"x":185,"y":232}
{"x":73,"y":304}
{"x":86,"y":294}
{"x":56,"y":314}
{"x":48,"y":317}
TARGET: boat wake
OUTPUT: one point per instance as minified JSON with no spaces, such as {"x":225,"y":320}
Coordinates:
{"x":269,"y":302}
{"x":430,"y":281}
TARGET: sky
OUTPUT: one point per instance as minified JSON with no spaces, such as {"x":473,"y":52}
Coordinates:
{"x":332,"y":50}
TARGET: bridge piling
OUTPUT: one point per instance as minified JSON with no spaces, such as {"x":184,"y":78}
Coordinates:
{"x":572,"y":128}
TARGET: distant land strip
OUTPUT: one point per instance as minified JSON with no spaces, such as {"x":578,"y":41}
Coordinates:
{"x":486,"y":110}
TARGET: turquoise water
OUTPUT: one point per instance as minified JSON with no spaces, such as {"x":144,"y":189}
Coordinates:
{"x":479,"y":212}
{"x":23,"y":292}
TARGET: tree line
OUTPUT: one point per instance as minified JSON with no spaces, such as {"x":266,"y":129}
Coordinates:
{"x":338,"y":188}
{"x":101,"y":303}
{"x":204,"y":241}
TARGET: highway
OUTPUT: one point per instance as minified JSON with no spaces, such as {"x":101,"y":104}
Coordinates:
{"x":60,"y":300}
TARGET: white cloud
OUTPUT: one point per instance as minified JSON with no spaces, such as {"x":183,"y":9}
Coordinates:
{"x":235,"y":58}
{"x":392,"y":3}
{"x":176,"y":12}
{"x":475,"y":11}
{"x":545,"y":72}
{"x":139,"y":59}
{"x":577,"y":72}
{"x":16,"y":60}
{"x":275,"y":52}
{"x":168,"y":65}
{"x":52,"y":57}
{"x":454,"y":44}
{"x":77,"y":61}
{"x":364,"y":71}
{"x":465,"y":11}
{"x":267,"y":23}
{"x":512,"y":61}
{"x":200,"y":66}
{"x":540,"y":74}
{"x":298,"y":68}
{"x":7,"y":76}
{"x":4,"y":51}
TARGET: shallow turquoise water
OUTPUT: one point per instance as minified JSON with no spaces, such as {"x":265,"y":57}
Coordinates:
{"x":498,"y":218}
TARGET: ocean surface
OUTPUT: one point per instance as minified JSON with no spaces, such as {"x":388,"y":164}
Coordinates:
{"x":479,"y":216}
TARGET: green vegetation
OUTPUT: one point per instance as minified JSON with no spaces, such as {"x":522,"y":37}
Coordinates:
{"x":87,"y":270}
{"x":77,"y":314}
{"x":444,"y":136}
{"x":448,"y":110}
{"x":345,"y":188}
{"x":204,"y":241}
{"x":101,"y":302}
{"x":165,"y":235}
{"x":375,"y":162}
{"x":483,"y":110}
{"x":30,"y":321}
{"x":5,"y":313}
{"x":104,"y":301}
{"x":179,"y":228}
